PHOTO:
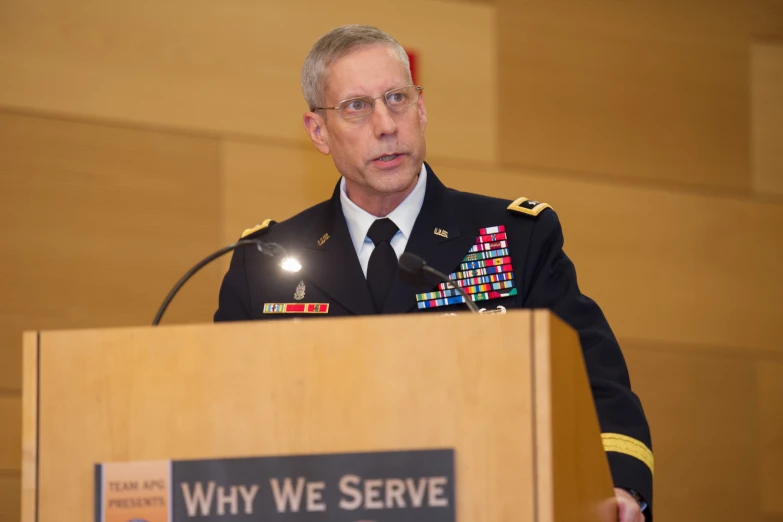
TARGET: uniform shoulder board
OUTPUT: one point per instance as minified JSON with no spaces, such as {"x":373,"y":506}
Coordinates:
{"x":258,"y":228}
{"x":530,"y":207}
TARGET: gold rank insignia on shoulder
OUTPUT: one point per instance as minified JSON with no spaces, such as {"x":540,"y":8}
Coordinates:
{"x":530,"y":207}
{"x":442,"y":233}
{"x":266,"y":224}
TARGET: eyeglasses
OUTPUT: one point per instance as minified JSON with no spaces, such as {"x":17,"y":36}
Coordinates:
{"x":395,"y":99}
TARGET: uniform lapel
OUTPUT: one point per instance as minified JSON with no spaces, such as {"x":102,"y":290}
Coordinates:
{"x":438,"y":214}
{"x":331,"y":263}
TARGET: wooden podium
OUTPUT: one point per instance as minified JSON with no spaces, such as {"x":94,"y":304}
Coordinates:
{"x":507,"y":392}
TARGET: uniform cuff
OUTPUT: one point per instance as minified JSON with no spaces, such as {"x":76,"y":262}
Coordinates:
{"x":631,"y":473}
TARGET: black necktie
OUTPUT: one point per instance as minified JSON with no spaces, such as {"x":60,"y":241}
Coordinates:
{"x":383,"y":261}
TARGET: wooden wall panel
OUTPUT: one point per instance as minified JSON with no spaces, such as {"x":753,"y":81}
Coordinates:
{"x":233,"y":66}
{"x":105,"y":220}
{"x":770,"y":441}
{"x":261,"y":181}
{"x":767,"y":111}
{"x":10,"y":432}
{"x":767,"y":18}
{"x":9,"y":497}
{"x":664,"y":265}
{"x":704,"y":428}
{"x":10,"y":453}
{"x":638,"y":90}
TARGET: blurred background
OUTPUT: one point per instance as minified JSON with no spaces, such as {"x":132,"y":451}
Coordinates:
{"x":137,"y":137}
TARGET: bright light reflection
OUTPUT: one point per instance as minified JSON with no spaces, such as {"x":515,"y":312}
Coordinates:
{"x":290,"y":264}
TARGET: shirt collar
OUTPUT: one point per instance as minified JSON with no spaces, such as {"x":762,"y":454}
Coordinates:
{"x":404,"y":216}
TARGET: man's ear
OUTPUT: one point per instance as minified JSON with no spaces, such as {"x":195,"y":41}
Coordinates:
{"x":315,"y":125}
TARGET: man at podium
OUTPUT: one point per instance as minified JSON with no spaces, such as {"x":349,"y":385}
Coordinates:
{"x":365,"y":111}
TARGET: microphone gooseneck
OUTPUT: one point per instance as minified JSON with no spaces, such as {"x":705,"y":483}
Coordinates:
{"x":415,"y":265}
{"x":269,"y":249}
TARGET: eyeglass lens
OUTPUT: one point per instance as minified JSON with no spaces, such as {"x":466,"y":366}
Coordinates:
{"x":395,"y":99}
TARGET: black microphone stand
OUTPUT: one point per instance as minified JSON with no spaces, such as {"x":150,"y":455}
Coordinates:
{"x":270,"y":249}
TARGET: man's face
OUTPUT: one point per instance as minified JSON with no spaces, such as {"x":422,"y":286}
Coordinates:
{"x":379,"y":154}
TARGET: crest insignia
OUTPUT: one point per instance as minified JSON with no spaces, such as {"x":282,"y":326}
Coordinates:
{"x":300,"y":291}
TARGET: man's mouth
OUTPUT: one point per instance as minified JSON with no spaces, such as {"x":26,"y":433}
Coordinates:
{"x":387,"y":158}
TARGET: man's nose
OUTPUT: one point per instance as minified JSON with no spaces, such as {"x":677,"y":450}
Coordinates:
{"x":383,"y":120}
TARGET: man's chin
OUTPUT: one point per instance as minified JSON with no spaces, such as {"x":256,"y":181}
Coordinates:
{"x":389,"y":185}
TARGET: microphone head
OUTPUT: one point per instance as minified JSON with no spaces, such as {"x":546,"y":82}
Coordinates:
{"x":411,"y":263}
{"x":411,"y":270}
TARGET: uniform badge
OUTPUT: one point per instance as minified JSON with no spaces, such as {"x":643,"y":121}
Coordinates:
{"x":485,"y":273}
{"x":300,"y":291}
{"x":323,"y":240}
{"x":442,"y":233}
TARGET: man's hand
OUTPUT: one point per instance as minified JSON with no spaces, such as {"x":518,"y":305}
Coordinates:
{"x":627,"y":507}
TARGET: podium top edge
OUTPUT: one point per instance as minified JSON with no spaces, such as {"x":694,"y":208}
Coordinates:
{"x":257,"y":323}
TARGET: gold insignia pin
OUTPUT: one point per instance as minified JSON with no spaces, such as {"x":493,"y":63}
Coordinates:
{"x":323,"y":239}
{"x":442,"y":233}
{"x":266,"y":224}
{"x":528,"y":206}
{"x":300,"y":291}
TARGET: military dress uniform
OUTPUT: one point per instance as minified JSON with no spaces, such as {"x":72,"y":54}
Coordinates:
{"x":507,"y":254}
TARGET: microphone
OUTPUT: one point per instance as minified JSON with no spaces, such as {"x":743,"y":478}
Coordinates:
{"x":414,"y":265}
{"x":273,"y":250}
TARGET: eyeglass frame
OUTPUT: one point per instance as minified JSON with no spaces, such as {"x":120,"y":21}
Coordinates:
{"x":339,"y":106}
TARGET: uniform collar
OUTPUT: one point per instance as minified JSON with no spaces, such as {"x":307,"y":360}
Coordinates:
{"x":404,"y":216}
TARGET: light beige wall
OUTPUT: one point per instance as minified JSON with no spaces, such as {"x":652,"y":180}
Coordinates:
{"x":770,"y":413}
{"x":9,"y":495}
{"x":232,"y":67}
{"x":264,"y":180}
{"x":10,"y":412}
{"x":767,"y":112}
{"x":715,"y":451}
{"x":100,"y":221}
{"x":767,"y":18}
{"x":105,"y":220}
{"x":10,"y":444}
{"x":641,"y":91}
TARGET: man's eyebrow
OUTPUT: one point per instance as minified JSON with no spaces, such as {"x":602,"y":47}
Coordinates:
{"x":352,"y":95}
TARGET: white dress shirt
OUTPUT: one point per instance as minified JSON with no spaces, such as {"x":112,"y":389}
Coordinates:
{"x":404,"y":216}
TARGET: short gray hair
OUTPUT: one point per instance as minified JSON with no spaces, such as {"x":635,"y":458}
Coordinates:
{"x":334,"y":45}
